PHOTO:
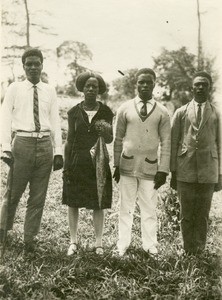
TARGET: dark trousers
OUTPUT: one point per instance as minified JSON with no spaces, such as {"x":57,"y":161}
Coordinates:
{"x":33,"y":159}
{"x":195,"y":202}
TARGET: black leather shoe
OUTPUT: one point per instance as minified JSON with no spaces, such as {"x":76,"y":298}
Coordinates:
{"x":30,"y":247}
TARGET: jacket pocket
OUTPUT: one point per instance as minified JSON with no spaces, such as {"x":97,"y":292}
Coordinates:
{"x":127,"y":157}
{"x":149,"y":166}
{"x":214,"y":153}
{"x":126,"y":162}
{"x":151,"y":161}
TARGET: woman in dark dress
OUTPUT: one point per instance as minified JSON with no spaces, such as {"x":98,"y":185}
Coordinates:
{"x":86,"y":122}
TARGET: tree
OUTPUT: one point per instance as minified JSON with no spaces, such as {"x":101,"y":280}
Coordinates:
{"x":175,"y":70}
{"x":18,"y":25}
{"x":126,"y":85}
{"x":105,"y":96}
{"x":73,"y":53}
{"x":199,"y":42}
{"x":27,"y":23}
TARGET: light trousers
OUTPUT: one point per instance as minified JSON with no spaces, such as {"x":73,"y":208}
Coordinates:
{"x":131,"y":189}
{"x":33,"y":159}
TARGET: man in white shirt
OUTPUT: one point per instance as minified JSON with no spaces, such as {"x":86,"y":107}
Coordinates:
{"x":196,"y":162}
{"x":30,"y":114}
{"x":142,"y":125}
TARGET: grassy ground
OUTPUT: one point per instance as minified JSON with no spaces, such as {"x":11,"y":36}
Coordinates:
{"x":50,"y":274}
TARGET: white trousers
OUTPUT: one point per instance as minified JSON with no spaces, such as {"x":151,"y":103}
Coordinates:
{"x":131,"y":189}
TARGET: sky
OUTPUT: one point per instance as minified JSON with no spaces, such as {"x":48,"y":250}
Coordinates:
{"x":125,"y":34}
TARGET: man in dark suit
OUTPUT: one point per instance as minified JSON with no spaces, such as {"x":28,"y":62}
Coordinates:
{"x":196,"y":162}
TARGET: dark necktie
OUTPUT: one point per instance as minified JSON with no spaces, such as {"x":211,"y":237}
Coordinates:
{"x":143,"y":110}
{"x":36,"y":109}
{"x":199,"y":115}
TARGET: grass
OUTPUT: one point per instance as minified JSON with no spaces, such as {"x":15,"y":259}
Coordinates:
{"x":49,"y":274}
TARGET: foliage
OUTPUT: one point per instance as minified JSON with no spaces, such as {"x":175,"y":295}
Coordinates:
{"x":115,"y":101}
{"x":74,"y":53}
{"x":19,"y":24}
{"x":105,"y":96}
{"x":73,"y":69}
{"x":175,"y":70}
{"x":126,"y":85}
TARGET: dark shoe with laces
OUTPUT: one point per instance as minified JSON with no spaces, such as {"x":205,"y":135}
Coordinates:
{"x":29,"y":247}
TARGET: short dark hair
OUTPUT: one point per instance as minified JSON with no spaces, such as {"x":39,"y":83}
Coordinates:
{"x":32,"y":52}
{"x":203,"y":74}
{"x":145,"y":71}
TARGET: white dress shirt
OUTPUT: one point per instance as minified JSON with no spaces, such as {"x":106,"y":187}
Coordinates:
{"x":149,"y":104}
{"x":17,"y":113}
{"x":195,"y":103}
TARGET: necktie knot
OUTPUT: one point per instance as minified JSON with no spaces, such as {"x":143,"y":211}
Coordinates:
{"x":143,"y":110}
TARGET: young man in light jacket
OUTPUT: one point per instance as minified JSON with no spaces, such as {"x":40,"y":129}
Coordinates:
{"x":196,"y":162}
{"x":142,"y":127}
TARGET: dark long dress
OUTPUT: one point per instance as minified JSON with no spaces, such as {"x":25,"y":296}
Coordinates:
{"x":82,"y":136}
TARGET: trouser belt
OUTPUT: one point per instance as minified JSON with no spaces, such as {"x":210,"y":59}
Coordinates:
{"x":33,"y":134}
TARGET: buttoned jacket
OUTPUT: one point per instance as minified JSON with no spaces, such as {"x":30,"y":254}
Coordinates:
{"x":196,"y":152}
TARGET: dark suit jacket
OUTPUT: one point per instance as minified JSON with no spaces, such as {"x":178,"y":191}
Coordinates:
{"x":196,"y":153}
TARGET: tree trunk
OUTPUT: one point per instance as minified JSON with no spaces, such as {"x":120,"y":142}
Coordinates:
{"x":27,"y":24}
{"x":200,"y":53}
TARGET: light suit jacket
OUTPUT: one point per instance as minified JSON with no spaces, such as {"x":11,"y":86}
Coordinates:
{"x":196,"y":152}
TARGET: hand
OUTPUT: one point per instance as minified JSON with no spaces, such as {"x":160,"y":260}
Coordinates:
{"x":58,"y":162}
{"x":7,"y":158}
{"x":99,"y":132}
{"x":159,"y":179}
{"x":66,"y":176}
{"x":116,"y":175}
{"x":218,"y":186}
{"x":173,"y":181}
{"x":102,"y":127}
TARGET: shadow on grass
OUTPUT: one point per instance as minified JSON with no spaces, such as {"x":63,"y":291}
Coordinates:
{"x":50,"y":274}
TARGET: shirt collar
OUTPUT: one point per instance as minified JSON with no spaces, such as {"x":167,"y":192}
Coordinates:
{"x":138,"y":100}
{"x":30,"y":84}
{"x":202,"y":104}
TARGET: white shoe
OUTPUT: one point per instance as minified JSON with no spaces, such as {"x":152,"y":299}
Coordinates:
{"x":99,"y":250}
{"x":121,"y":252}
{"x":72,"y":249}
{"x":153,"y":250}
{"x":118,"y":253}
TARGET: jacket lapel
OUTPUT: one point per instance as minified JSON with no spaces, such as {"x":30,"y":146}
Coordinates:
{"x":191,"y":115}
{"x":206,"y":115}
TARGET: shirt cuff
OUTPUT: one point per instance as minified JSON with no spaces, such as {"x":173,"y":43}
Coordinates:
{"x":6,"y":147}
{"x":116,"y":158}
{"x":58,"y":151}
{"x":162,"y":169}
